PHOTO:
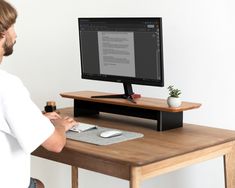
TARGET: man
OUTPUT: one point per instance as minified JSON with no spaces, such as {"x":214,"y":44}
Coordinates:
{"x":22,"y":125}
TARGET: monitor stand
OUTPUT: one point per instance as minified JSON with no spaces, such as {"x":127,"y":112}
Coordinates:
{"x":151,"y":108}
{"x":129,"y":94}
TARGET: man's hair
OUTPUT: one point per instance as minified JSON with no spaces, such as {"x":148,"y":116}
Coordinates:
{"x":8,"y":15}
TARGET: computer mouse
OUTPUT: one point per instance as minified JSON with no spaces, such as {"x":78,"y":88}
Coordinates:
{"x":110,"y":133}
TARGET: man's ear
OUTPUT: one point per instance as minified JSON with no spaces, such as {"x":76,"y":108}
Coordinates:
{"x":3,"y":38}
{"x":3,"y":34}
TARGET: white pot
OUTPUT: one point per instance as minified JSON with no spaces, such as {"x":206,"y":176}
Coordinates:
{"x":173,"y":102}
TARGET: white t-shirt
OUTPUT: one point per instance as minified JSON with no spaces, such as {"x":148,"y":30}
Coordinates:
{"x":22,"y":129}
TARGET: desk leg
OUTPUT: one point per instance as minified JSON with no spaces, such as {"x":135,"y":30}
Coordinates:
{"x":229,"y":168}
{"x":74,"y":175}
{"x":135,"y":177}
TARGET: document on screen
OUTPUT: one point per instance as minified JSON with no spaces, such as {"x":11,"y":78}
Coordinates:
{"x":116,"y":53}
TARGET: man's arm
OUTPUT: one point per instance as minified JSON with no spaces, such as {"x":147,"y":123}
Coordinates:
{"x":57,"y":140}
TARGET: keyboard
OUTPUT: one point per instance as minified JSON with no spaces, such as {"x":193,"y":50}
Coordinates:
{"x":81,"y":127}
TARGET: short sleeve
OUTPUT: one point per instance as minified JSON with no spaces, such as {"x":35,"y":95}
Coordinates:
{"x":25,"y":120}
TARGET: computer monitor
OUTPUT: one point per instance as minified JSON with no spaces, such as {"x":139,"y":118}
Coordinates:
{"x":126,"y":50}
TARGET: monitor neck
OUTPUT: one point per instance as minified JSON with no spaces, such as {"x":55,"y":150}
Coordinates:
{"x":128,"y":89}
{"x":129,"y":94}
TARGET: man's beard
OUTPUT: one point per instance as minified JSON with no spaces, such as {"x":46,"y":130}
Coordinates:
{"x":8,"y":47}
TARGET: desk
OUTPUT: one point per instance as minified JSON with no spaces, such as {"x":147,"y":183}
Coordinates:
{"x":154,"y":154}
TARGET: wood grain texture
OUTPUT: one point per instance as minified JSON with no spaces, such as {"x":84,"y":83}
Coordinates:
{"x":135,"y":178}
{"x":96,"y":164}
{"x":229,"y":168}
{"x":74,"y":176}
{"x":154,"y":146}
{"x":184,"y":160}
{"x":143,"y":102}
{"x":154,"y":154}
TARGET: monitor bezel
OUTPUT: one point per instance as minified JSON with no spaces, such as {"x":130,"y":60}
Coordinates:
{"x":124,"y":79}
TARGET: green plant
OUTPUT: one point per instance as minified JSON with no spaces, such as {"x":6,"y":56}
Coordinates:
{"x":174,"y":92}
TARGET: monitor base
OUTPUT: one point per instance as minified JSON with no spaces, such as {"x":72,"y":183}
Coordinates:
{"x":128,"y":95}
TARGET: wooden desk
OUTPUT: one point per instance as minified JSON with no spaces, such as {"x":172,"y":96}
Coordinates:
{"x":154,"y":154}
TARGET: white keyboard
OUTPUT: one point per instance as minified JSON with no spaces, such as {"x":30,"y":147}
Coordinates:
{"x":81,"y":127}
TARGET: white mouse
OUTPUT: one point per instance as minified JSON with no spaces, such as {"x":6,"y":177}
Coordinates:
{"x":110,"y":133}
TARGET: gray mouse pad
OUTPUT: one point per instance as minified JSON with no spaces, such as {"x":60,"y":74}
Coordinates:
{"x":92,"y":136}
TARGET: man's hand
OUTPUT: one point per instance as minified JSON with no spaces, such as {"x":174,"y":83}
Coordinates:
{"x":66,"y":122}
{"x":57,"y":140}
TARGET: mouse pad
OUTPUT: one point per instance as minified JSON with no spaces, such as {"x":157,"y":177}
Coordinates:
{"x":92,"y":136}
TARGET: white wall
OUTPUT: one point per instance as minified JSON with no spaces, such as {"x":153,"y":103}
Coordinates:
{"x":198,"y":51}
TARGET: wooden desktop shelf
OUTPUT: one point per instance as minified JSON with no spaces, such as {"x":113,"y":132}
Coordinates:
{"x":151,"y":108}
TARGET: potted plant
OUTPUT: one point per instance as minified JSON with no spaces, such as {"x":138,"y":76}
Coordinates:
{"x":173,"y":100}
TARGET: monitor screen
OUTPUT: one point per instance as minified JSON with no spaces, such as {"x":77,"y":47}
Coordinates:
{"x":127,"y":50}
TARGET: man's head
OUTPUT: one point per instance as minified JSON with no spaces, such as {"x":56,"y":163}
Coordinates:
{"x":8,"y":17}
